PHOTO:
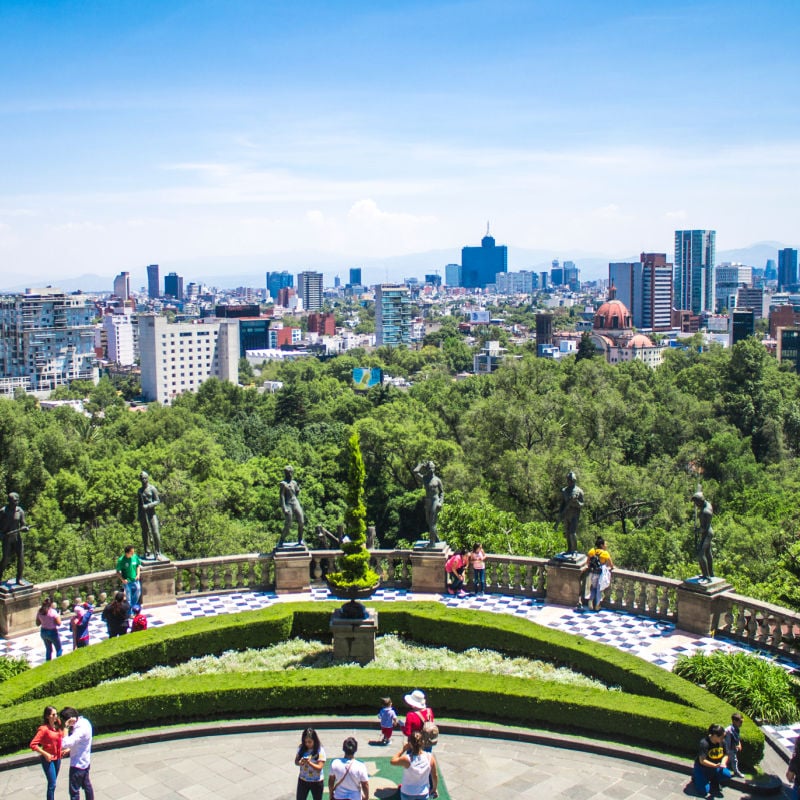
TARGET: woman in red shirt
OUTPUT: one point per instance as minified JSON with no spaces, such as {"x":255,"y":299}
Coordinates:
{"x":47,"y":743}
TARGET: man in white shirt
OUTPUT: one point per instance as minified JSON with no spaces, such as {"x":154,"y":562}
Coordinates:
{"x":78,"y":740}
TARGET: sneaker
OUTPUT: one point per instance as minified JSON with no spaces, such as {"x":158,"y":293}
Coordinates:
{"x":462,"y":594}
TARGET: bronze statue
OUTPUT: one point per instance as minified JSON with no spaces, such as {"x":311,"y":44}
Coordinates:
{"x":290,"y":506}
{"x":12,"y":526}
{"x":703,"y":514}
{"x":148,"y":499}
{"x":571,"y":505}
{"x":434,"y":497}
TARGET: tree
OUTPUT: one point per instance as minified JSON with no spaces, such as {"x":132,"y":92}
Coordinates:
{"x":586,"y":348}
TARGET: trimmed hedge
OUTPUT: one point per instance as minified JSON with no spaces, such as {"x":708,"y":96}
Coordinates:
{"x":655,"y":708}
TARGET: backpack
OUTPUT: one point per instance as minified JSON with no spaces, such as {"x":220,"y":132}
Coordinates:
{"x":595,"y":565}
{"x":139,"y":623}
{"x":429,"y":731}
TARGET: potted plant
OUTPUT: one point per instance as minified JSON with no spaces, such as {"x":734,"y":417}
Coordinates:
{"x":354,"y":578}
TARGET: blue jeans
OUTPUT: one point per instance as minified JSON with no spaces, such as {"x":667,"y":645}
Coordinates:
{"x":51,"y":639}
{"x":79,"y":779}
{"x":709,"y":779}
{"x":50,"y":769}
{"x":133,"y":594}
{"x":479,"y":576}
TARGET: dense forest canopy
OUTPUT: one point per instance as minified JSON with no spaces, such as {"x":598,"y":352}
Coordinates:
{"x":640,"y":441}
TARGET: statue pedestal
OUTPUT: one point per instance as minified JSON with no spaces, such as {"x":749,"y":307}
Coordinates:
{"x":564,"y":578}
{"x":699,"y":604}
{"x":354,"y":639}
{"x":427,"y":569}
{"x":158,"y":582}
{"x":18,"y":607}
{"x":292,"y":569}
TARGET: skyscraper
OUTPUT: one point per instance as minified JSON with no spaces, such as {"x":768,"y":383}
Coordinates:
{"x":787,"y":268}
{"x":480,"y":265}
{"x":695,"y":254}
{"x":153,"y":282}
{"x":645,"y":287}
{"x":122,"y":285}
{"x":309,"y":289}
{"x":355,"y":276}
{"x":277,"y":281}
{"x":452,"y":274}
{"x":392,"y":315}
{"x":173,"y":286}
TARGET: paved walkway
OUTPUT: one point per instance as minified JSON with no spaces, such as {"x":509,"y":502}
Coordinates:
{"x":260,"y":766}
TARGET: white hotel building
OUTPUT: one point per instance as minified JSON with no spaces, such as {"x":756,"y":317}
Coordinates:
{"x":178,"y":357}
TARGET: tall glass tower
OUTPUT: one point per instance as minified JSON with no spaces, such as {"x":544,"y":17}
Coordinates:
{"x":695,"y":256}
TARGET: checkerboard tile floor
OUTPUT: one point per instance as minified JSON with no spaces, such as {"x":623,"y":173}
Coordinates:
{"x":655,"y":641}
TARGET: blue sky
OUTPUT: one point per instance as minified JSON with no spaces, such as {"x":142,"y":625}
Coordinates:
{"x":289,"y":134}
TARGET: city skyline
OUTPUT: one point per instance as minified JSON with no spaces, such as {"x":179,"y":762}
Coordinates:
{"x":135,"y":134}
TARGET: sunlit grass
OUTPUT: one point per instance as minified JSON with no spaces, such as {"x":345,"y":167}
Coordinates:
{"x":391,"y":652}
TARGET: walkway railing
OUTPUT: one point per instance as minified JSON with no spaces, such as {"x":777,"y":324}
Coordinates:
{"x":688,"y":605}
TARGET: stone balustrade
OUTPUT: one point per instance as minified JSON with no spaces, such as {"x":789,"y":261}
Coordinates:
{"x":692,"y":607}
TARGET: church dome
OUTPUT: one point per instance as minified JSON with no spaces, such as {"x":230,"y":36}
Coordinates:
{"x":613,"y":315}
{"x":640,"y":340}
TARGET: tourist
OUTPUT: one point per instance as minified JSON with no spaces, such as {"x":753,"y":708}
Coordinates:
{"x":139,"y":621}
{"x":733,"y":743}
{"x":388,"y":718}
{"x":420,"y":776}
{"x":78,"y":740}
{"x":311,"y":760}
{"x":710,"y":767}
{"x":129,"y":570}
{"x":477,"y":559}
{"x":82,"y":615}
{"x":600,"y":566}
{"x":115,"y":615}
{"x":348,"y":778}
{"x":419,"y":714}
{"x":454,"y":568}
{"x":48,"y":620}
{"x":47,"y":743}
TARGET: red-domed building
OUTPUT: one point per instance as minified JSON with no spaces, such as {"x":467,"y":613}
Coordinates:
{"x":614,"y":336}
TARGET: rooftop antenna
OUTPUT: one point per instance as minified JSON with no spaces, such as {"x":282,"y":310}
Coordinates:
{"x":487,"y":227}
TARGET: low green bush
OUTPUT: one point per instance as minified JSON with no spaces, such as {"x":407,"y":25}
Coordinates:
{"x":10,"y":666}
{"x":756,"y":687}
{"x":655,"y":707}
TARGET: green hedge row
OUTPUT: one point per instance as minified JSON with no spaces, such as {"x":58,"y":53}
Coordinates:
{"x":655,"y":707}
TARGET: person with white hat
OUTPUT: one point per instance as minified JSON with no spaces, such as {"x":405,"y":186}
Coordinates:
{"x":419,"y":713}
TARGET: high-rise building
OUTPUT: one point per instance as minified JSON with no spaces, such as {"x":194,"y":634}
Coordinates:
{"x":770,"y":270}
{"x":480,"y":265}
{"x":728,"y":278}
{"x":626,"y":278}
{"x":323,"y":324}
{"x":742,"y":324}
{"x":754,"y":299}
{"x":433,"y":279}
{"x":787,"y":269}
{"x":153,"y":282}
{"x":556,"y":273}
{"x":788,"y":345}
{"x":452,"y":274}
{"x":178,"y":357}
{"x":544,"y":280}
{"x":277,"y":281}
{"x":657,"y":291}
{"x":121,"y":337}
{"x":522,"y":282}
{"x":355,"y":276}
{"x":695,"y":255}
{"x":392,"y":315}
{"x":544,"y":330}
{"x":122,"y":286}
{"x":309,"y":289}
{"x":571,"y":276}
{"x":173,"y":286}
{"x":46,"y":340}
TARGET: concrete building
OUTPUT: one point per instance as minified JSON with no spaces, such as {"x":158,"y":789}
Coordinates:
{"x":392,"y":315}
{"x":121,"y":334}
{"x":788,"y":345}
{"x":179,"y":357}
{"x":522,"y":282}
{"x":122,"y":286}
{"x":153,"y":282}
{"x":489,"y":358}
{"x":322,"y":324}
{"x":754,"y":298}
{"x":742,"y":324}
{"x":783,"y":316}
{"x":46,"y":340}
{"x":695,"y":254}
{"x":480,"y":265}
{"x":309,"y":290}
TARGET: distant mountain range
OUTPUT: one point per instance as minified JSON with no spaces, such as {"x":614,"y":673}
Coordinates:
{"x":230,"y":272}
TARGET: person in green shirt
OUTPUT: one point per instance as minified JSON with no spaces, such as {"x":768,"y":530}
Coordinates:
{"x":129,"y":569}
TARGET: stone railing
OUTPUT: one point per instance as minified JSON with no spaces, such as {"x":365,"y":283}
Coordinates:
{"x":707,"y":609}
{"x":640,"y":593}
{"x":759,"y":625}
{"x":224,"y":574}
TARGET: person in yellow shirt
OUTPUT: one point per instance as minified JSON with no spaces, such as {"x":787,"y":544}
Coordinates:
{"x":600,"y":566}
